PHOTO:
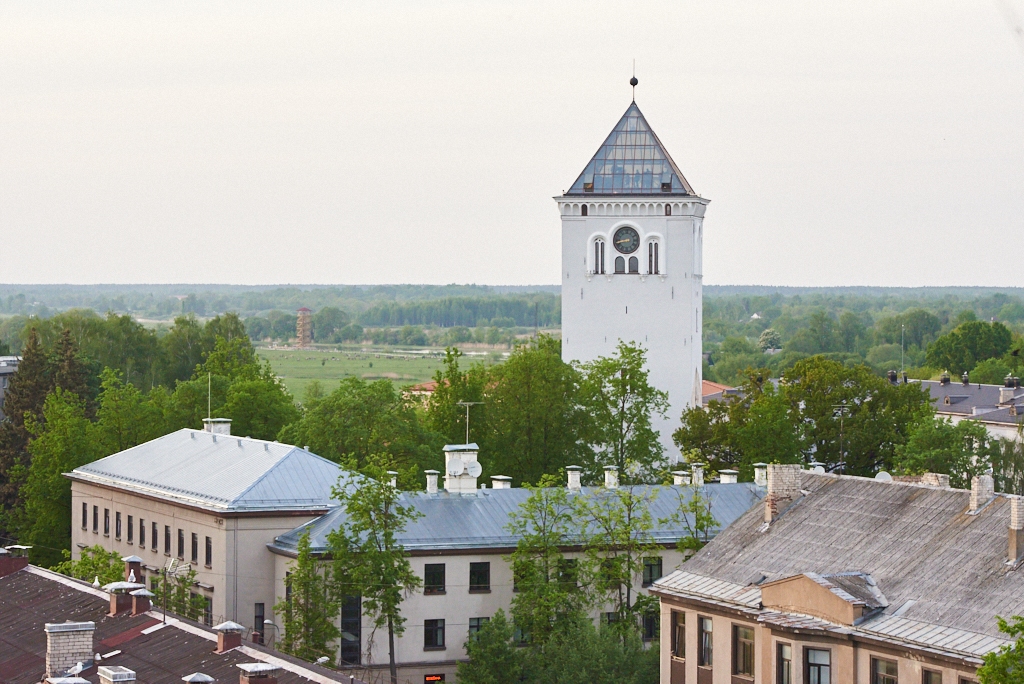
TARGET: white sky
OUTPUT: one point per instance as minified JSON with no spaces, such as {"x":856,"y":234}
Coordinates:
{"x":869,"y":143}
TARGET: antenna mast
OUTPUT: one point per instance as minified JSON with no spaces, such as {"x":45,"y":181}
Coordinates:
{"x":467,"y":404}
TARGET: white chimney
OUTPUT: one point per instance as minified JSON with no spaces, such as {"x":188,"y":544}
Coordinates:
{"x":501,"y":482}
{"x":761,"y":474}
{"x":1016,"y":547}
{"x":461,"y":467}
{"x":111,"y":674}
{"x":611,"y":477}
{"x":431,"y":481}
{"x":728,"y":476}
{"x":573,"y":473}
{"x":67,"y":644}
{"x":697,"y":479}
{"x":982,"y":491}
{"x":394,"y":478}
{"x":218,"y":426}
{"x":783,"y":488}
{"x":680,"y":477}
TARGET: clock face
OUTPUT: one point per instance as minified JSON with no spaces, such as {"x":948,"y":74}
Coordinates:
{"x":626,"y":240}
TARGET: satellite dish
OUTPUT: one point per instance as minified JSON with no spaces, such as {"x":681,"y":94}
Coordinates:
{"x":883,"y":476}
{"x":456,"y":467}
{"x":819,"y":470}
{"x":474,"y":469}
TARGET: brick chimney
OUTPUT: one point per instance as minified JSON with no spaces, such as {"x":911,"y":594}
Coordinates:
{"x":783,"y":489}
{"x":229,"y":636}
{"x":611,"y":477}
{"x":501,"y":482}
{"x":1015,"y":550}
{"x":141,"y":602}
{"x":573,"y":474}
{"x":982,"y":491}
{"x":431,"y":481}
{"x":936,"y":480}
{"x":728,"y":476}
{"x":132,"y":565}
{"x":218,"y":426}
{"x":697,"y":476}
{"x":67,"y":644}
{"x":115,"y":674}
{"x":9,"y":563}
{"x":761,"y":474}
{"x":257,"y":673}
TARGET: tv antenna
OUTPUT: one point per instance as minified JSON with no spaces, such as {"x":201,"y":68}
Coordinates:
{"x":467,"y":404}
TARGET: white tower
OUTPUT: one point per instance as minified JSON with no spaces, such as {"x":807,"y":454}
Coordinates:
{"x":632,"y":230}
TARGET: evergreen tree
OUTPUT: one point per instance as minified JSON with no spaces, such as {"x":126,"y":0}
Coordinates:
{"x":311,"y":608}
{"x":71,"y":373}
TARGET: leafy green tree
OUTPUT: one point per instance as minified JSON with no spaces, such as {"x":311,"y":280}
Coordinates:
{"x":229,"y":326}
{"x":968,"y":344}
{"x":192,"y":400}
{"x":769,"y":339}
{"x":125,"y":417}
{"x":259,"y":408}
{"x":694,"y":514}
{"x":767,"y":432}
{"x":534,"y":423}
{"x":311,"y":609}
{"x":851,"y":331}
{"x":62,"y":441}
{"x":369,"y":561}
{"x":183,"y":347}
{"x":175,"y":592}
{"x":5,"y":348}
{"x":444,"y":415}
{"x":960,"y":450}
{"x":1005,"y":665}
{"x":818,"y":336}
{"x":578,"y":653}
{"x":493,"y":656}
{"x":95,"y":562}
{"x":990,"y":372}
{"x":620,"y":401}
{"x":233,"y":359}
{"x":707,"y":433}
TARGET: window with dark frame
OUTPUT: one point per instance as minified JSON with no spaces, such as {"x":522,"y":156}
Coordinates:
{"x":433,"y":578}
{"x":351,"y":629}
{"x":652,"y":570}
{"x":634,"y":265}
{"x":818,"y":666}
{"x":85,"y":516}
{"x":476,"y":624}
{"x":884,"y":671}
{"x":742,"y":651}
{"x":620,"y":265}
{"x":117,"y":525}
{"x":257,"y":624}
{"x":931,"y":677}
{"x":678,"y":634}
{"x":181,"y":543}
{"x":610,"y":617}
{"x":783,"y":664}
{"x":106,"y":522}
{"x":583,"y":210}
{"x":208,"y":611}
{"x":195,"y":548}
{"x":650,"y":627}
{"x":95,"y":518}
{"x":156,"y":538}
{"x":480,"y":576}
{"x":142,"y":533}
{"x":131,"y":529}
{"x":167,"y":540}
{"x":209,"y":552}
{"x":433,"y":634}
{"x":704,"y":646}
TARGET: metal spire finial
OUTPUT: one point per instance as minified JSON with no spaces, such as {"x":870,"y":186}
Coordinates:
{"x":633,"y":82}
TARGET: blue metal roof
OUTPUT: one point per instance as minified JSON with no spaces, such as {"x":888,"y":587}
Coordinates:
{"x":220,"y":472}
{"x":478,"y":520}
{"x":631,"y":161}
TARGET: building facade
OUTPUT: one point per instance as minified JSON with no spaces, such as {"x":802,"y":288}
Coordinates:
{"x":847,"y":580}
{"x":8,"y":367}
{"x":632,"y":236}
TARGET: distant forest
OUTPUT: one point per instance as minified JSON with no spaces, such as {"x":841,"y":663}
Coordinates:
{"x":744,"y":326}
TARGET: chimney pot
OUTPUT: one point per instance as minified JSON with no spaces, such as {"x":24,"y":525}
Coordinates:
{"x":611,"y":477}
{"x":394,"y":478}
{"x":982,"y":491}
{"x":728,"y":476}
{"x":257,"y":673}
{"x":965,"y":379}
{"x":697,"y":477}
{"x":217,"y":426}
{"x":893,"y":377}
{"x":1015,"y":550}
{"x":501,"y":482}
{"x":573,"y":474}
{"x":229,"y":636}
{"x":680,"y":477}
{"x":761,"y":474}
{"x":110,"y":674}
{"x":431,"y":481}
{"x":783,"y":488}
{"x":944,"y":378}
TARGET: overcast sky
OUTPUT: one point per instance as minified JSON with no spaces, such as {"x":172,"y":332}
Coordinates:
{"x":869,"y":143}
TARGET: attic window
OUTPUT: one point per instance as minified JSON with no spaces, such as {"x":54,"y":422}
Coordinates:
{"x":666,"y":187}
{"x":588,"y":187}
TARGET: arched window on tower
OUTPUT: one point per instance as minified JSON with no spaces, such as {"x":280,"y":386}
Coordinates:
{"x":620,"y":265}
{"x":583,"y":210}
{"x":652,"y":258}
{"x":634,"y":265}
{"x":598,"y":256}
{"x":668,"y":210}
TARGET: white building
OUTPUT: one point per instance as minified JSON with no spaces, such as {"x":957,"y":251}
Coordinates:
{"x":632,"y":230}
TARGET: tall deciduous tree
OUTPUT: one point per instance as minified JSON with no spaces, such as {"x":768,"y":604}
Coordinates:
{"x":968,"y":344}
{"x":961,"y":450}
{"x":620,"y":401}
{"x":444,"y":415}
{"x":125,"y":417}
{"x":369,"y":561}
{"x":1006,"y":664}
{"x":311,"y":608}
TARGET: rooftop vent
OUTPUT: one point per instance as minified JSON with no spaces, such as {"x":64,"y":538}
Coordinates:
{"x":611,"y":477}
{"x":894,"y":378}
{"x":257,"y":673}
{"x":109,"y":674}
{"x":218,"y":426}
{"x":431,"y":481}
{"x":761,"y":474}
{"x":573,"y":474}
{"x":229,"y":636}
{"x":965,"y":379}
{"x":944,"y":378}
{"x":501,"y":482}
{"x":728,"y":476}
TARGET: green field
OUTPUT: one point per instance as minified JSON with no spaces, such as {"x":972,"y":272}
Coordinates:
{"x":299,"y":367}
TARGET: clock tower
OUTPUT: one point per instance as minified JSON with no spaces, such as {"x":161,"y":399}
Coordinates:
{"x":632,"y":229}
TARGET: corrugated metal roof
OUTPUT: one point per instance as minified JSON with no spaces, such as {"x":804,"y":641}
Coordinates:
{"x":221,"y":472}
{"x":478,"y":520}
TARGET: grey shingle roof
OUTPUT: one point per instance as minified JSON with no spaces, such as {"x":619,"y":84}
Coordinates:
{"x":918,"y":544}
{"x":476,"y":521}
{"x":220,"y":472}
{"x":978,"y":401}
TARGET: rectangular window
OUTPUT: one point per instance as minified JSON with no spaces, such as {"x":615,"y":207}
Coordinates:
{"x":650,"y":627}
{"x":480,"y":576}
{"x":154,"y":583}
{"x":257,"y":623}
{"x":351,"y":629}
{"x":568,"y":573}
{"x":609,"y":618}
{"x":704,"y":646}
{"x":883,"y":671}
{"x":181,"y":543}
{"x":742,"y":651}
{"x":142,"y":533}
{"x":85,"y":516}
{"x":95,"y":518}
{"x":106,"y":522}
{"x":476,"y":624}
{"x":783,"y":664}
{"x":167,"y":540}
{"x":131,"y":529}
{"x":209,"y":553}
{"x":156,"y":538}
{"x":195,"y":547}
{"x":117,"y":525}
{"x":433,"y":578}
{"x":208,"y":611}
{"x":678,"y":634}
{"x":652,"y":570}
{"x":931,"y":677}
{"x":819,"y":666}
{"x":433,"y":634}
{"x":520,"y":636}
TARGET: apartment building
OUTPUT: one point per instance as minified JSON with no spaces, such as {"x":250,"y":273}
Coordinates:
{"x":848,"y":580}
{"x":208,"y":500}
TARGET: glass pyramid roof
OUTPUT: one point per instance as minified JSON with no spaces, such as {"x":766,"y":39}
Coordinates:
{"x":631,"y":161}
